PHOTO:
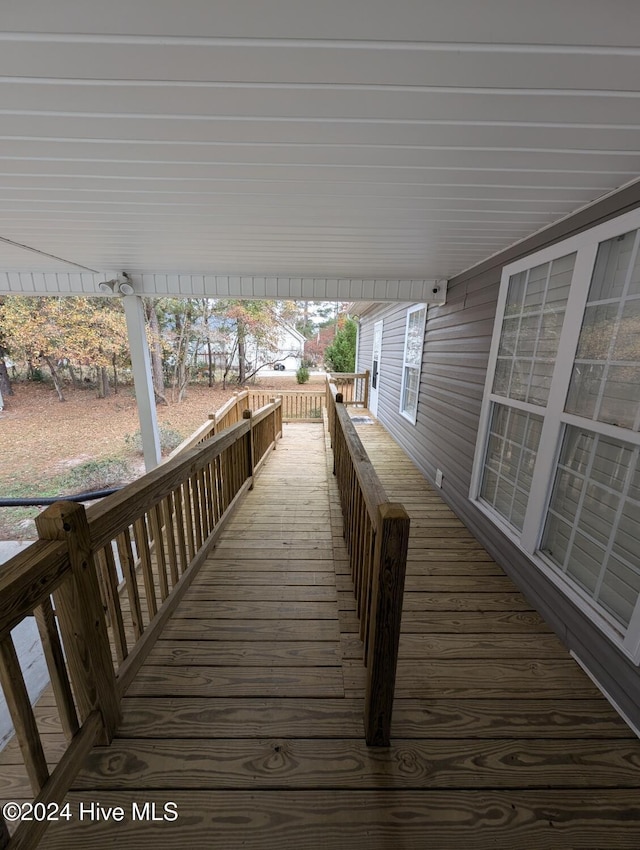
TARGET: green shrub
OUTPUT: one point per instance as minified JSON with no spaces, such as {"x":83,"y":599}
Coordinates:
{"x":302,"y":375}
{"x":99,"y":474}
{"x":170,"y":439}
{"x":340,"y":356}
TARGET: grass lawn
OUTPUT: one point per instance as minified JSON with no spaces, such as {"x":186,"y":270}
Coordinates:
{"x":49,"y":448}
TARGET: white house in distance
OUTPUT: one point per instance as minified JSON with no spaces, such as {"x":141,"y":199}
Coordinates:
{"x":288,"y":352}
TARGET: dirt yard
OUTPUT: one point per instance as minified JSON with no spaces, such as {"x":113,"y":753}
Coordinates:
{"x":42,"y":439}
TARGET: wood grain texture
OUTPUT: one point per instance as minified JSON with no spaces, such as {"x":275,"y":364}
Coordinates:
{"x":287,"y":763}
{"x":360,"y":820}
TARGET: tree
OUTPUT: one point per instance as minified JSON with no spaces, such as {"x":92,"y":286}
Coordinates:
{"x":65,"y":332}
{"x":248,"y":329}
{"x":340,"y":356}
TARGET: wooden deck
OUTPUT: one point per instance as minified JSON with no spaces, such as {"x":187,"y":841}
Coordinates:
{"x":248,"y":713}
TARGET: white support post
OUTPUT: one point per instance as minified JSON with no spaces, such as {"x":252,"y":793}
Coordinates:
{"x":141,"y":362}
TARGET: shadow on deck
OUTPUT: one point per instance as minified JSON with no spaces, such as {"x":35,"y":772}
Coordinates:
{"x":247,"y":714}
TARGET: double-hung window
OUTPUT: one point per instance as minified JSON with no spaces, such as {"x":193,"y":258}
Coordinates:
{"x":412,"y":362}
{"x":556,"y":462}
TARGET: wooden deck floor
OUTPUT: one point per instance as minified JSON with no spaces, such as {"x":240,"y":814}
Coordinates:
{"x":248,"y":713}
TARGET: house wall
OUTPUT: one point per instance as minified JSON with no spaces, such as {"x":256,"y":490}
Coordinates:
{"x":455,"y":358}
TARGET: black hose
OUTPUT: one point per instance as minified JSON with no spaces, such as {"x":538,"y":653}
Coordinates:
{"x":50,"y":500}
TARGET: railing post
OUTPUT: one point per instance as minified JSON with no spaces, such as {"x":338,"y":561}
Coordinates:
{"x":366,"y":389}
{"x":81,"y":617}
{"x":339,"y":398}
{"x":275,"y":423}
{"x":247,"y":414}
{"x":389,"y":567}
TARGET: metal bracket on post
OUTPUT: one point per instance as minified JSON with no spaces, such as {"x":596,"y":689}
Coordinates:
{"x":247,"y":414}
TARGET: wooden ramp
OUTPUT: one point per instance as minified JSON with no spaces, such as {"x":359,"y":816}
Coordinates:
{"x":248,"y":713}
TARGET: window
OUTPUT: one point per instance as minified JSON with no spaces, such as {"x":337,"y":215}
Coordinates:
{"x":556,"y":463}
{"x":413,"y":343}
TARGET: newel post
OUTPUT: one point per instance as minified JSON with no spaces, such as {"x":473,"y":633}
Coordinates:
{"x":81,"y":617}
{"x":247,"y":414}
{"x":275,"y":423}
{"x":367,"y":376}
{"x":334,"y":438}
{"x":389,"y":568}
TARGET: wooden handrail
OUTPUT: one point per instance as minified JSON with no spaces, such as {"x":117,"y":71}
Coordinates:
{"x":376,"y":535}
{"x":151,"y":536}
{"x":354,"y":386}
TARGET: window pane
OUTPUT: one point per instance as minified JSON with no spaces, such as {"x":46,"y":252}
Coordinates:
{"x":410,"y":396}
{"x":509,"y":461}
{"x":612,"y":266}
{"x":415,"y":325}
{"x":584,"y":390}
{"x":534,"y":313}
{"x":605,"y":384}
{"x":593,"y":527}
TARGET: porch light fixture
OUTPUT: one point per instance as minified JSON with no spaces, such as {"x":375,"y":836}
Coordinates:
{"x":117,"y":286}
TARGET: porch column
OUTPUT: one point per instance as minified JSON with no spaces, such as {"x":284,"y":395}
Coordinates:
{"x":141,"y":362}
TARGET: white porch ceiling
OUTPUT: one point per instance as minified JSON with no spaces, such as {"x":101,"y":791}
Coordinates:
{"x":283,"y":139}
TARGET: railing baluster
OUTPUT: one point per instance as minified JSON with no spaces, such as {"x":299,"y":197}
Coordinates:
{"x":54,"y":656}
{"x":141,"y":536}
{"x":188,"y":515}
{"x":127,"y":562}
{"x":24,"y":721}
{"x":167,"y":510}
{"x":111,"y":575}
{"x":180,"y":532}
{"x":197,"y":517}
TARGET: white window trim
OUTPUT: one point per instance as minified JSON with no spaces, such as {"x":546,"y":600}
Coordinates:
{"x":555,"y":420}
{"x":414,"y":309}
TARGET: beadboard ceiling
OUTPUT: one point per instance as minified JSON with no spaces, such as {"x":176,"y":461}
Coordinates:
{"x":316,"y":139}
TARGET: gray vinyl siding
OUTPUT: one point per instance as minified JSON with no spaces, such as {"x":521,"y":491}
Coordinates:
{"x":455,"y":357}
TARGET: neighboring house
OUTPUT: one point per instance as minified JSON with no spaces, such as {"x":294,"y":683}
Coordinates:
{"x":288,"y":348}
{"x":523,"y":401}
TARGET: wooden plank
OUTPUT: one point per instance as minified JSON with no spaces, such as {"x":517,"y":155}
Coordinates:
{"x":281,"y":592}
{"x":483,"y":645}
{"x":269,"y":563}
{"x":251,"y":630}
{"x":467,"y":679}
{"x":513,"y":622}
{"x":544,"y":716}
{"x":217,"y":717}
{"x":246,"y":681}
{"x":249,"y":610}
{"x":263,"y":578}
{"x":422,"y":601}
{"x":447,"y":583}
{"x":350,"y":764}
{"x":245,"y":653}
{"x":361,"y":820}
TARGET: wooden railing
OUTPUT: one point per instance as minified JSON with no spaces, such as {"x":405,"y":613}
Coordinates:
{"x":115,"y":572}
{"x":354,"y":386}
{"x":297,"y":405}
{"x":230,"y":413}
{"x":376,"y":534}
